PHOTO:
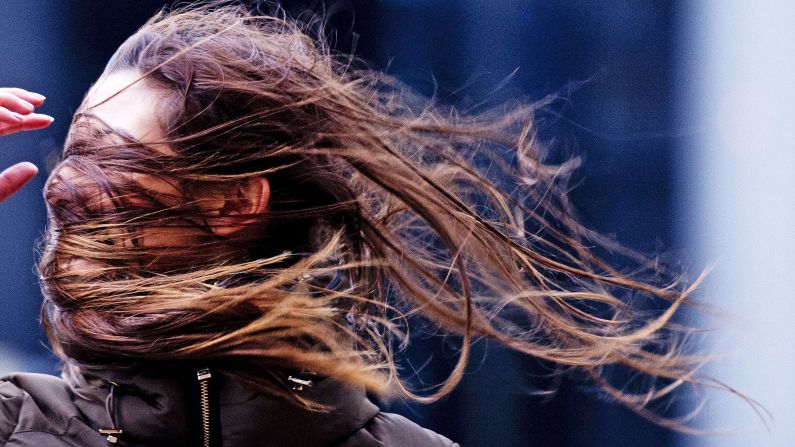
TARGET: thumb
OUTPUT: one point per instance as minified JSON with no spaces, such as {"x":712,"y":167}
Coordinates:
{"x":15,"y":177}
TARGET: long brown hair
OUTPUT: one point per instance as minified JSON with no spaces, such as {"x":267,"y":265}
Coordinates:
{"x":413,"y":210}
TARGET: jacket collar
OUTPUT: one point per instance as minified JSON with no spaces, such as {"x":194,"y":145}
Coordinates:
{"x":159,"y":406}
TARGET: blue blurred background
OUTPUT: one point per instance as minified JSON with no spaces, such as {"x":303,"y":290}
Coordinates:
{"x":683,"y":112}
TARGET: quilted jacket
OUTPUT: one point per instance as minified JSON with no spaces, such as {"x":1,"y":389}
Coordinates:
{"x":190,"y":407}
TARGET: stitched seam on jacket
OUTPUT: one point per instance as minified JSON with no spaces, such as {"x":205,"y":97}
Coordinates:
{"x":65,"y":430}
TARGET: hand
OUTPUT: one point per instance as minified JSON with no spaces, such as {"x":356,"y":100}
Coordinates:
{"x":16,"y":115}
{"x":17,"y":111}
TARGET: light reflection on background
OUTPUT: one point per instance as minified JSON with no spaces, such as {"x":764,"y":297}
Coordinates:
{"x":739,"y":66}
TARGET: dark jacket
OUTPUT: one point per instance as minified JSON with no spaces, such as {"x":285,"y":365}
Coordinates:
{"x":159,"y":408}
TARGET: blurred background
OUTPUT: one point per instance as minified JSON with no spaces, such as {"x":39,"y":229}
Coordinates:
{"x":682,"y":111}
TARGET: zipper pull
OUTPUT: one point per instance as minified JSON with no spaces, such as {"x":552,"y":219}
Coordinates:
{"x":299,"y":384}
{"x":203,"y":374}
{"x":111,"y":434}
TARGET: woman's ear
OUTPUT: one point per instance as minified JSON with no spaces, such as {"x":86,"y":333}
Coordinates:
{"x":239,"y":205}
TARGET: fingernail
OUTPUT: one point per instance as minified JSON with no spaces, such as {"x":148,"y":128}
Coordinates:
{"x":38,"y":96}
{"x":27,"y":105}
{"x":30,"y":166}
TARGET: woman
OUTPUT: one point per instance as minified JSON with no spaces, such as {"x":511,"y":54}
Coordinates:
{"x":243,"y":227}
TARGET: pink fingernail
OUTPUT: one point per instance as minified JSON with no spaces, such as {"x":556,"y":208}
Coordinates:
{"x":30,"y":166}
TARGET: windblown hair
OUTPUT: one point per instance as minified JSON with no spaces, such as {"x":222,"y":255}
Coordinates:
{"x":385,"y":209}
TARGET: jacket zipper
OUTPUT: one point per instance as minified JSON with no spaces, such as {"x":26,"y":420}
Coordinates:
{"x":203,"y":375}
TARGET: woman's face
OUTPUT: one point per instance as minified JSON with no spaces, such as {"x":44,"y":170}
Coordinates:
{"x":133,"y":112}
{"x":230,"y":208}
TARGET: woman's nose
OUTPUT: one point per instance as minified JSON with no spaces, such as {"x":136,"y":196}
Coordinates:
{"x":67,"y":187}
{"x":54,"y":187}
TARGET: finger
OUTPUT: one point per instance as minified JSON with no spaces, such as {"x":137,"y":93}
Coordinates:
{"x":9,"y":117}
{"x":31,"y":97}
{"x":15,"y":177}
{"x":33,"y":121}
{"x":15,"y":103}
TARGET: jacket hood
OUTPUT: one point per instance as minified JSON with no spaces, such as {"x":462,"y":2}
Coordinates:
{"x":153,"y":406}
